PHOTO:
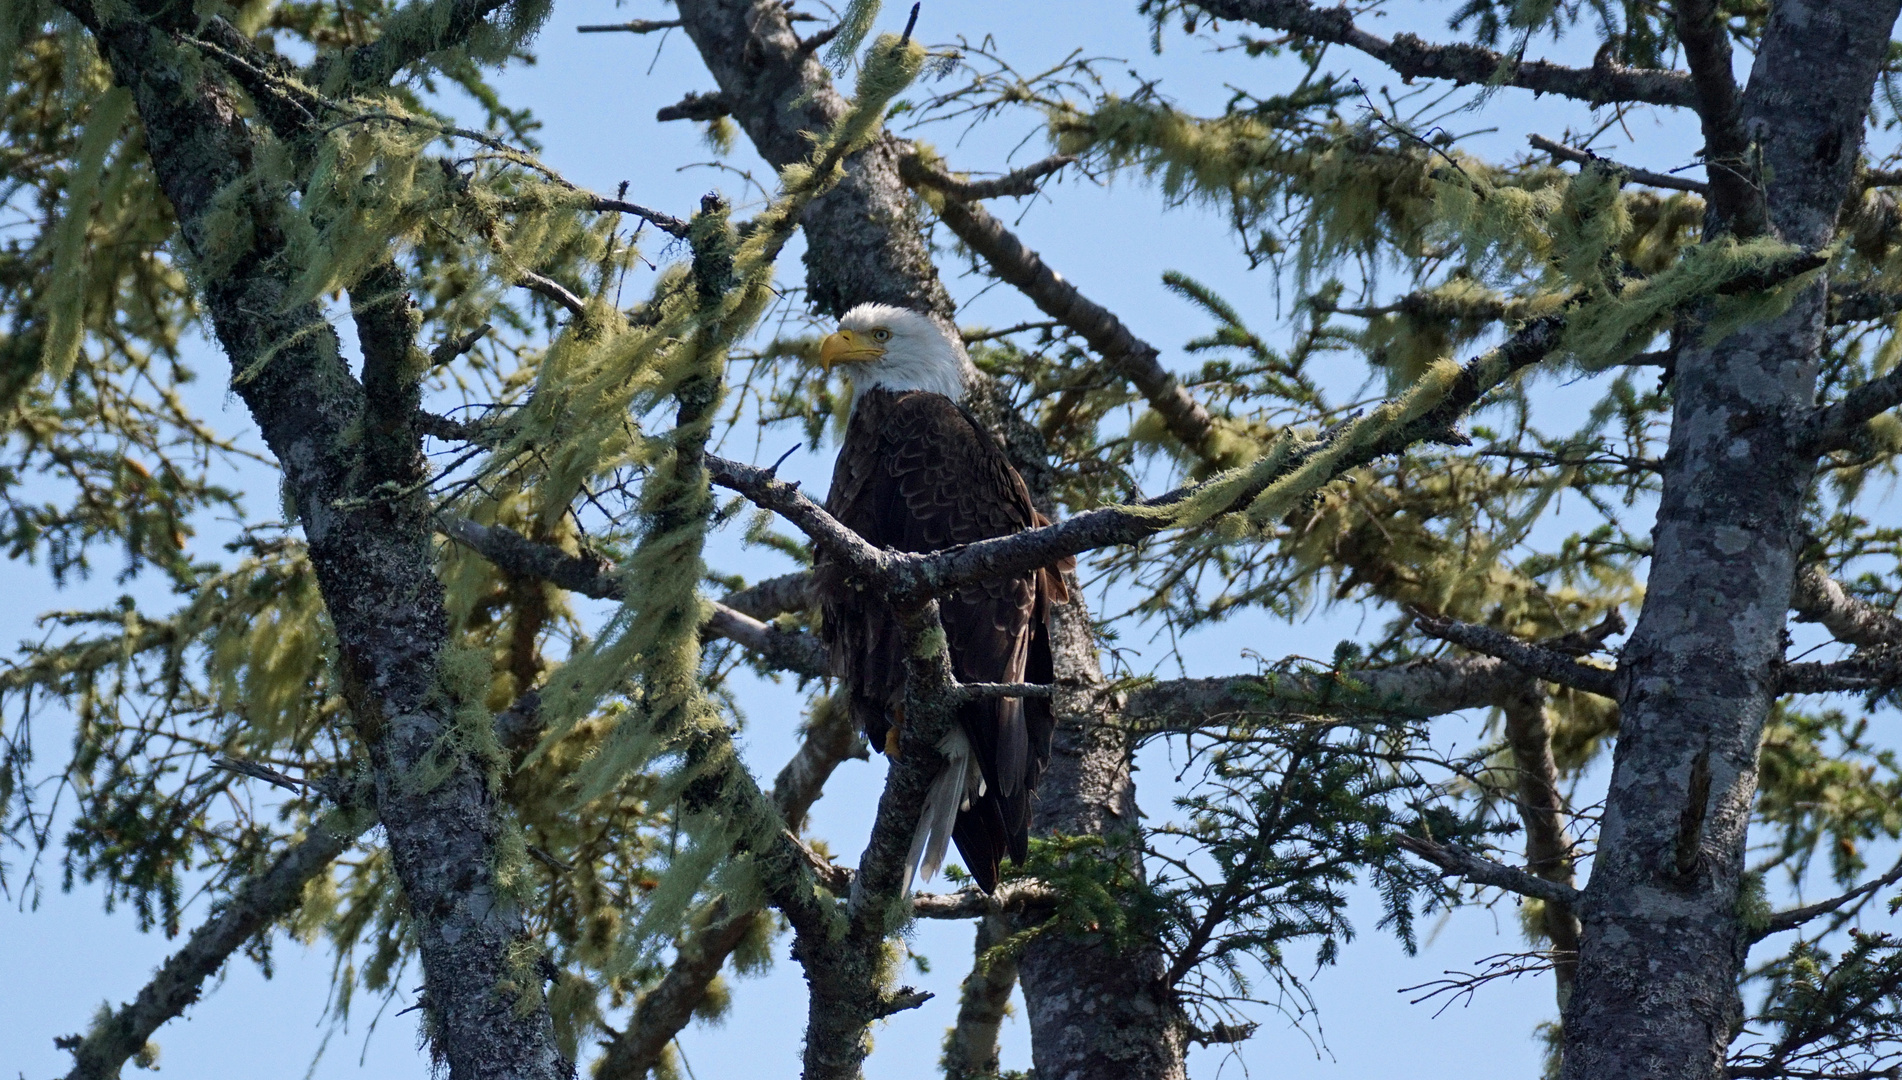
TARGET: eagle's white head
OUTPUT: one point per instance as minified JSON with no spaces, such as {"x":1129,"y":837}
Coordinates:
{"x":896,"y":349}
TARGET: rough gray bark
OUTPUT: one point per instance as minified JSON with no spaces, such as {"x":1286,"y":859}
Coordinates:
{"x":970,"y":1047}
{"x":1662,"y":940}
{"x":863,"y":240}
{"x":1095,"y":1013}
{"x":373,"y":560}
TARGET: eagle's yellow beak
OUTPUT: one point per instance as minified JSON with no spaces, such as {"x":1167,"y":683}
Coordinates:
{"x":847,"y":347}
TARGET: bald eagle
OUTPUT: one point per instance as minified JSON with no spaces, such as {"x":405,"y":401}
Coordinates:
{"x":917,"y":473}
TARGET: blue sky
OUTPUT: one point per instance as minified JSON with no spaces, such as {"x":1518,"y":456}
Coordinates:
{"x":596,"y":96}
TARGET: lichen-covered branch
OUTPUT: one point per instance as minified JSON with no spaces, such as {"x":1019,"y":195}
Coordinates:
{"x":1466,"y":65}
{"x":1422,"y":688}
{"x":252,"y":907}
{"x":590,"y":575}
{"x":1549,"y":852}
{"x":665,"y":1010}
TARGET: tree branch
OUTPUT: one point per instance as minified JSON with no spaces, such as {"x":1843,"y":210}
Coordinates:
{"x":666,"y":223}
{"x":1016,"y":183}
{"x":1423,"y":688}
{"x":256,"y":904}
{"x":1835,"y":426}
{"x":1125,"y":353}
{"x":1017,"y":896}
{"x":1795,"y":917}
{"x":1736,"y":195}
{"x":696,"y":106}
{"x":970,"y":1048}
{"x":788,"y":593}
{"x":1851,"y":620}
{"x":632,"y":26}
{"x":553,"y":290}
{"x":1562,"y":152}
{"x":1412,"y":58}
{"x":591,"y":575}
{"x":1458,"y":862}
{"x":1871,"y":670}
{"x":1548,"y":664}
{"x":665,"y":1010}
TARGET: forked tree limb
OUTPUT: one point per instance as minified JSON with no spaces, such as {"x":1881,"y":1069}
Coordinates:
{"x":1835,"y":426}
{"x":1465,"y":65}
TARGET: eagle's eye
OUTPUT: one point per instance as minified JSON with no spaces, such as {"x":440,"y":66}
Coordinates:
{"x":881,"y":334}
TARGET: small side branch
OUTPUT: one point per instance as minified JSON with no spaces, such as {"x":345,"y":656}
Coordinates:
{"x":1821,"y":599}
{"x":711,"y":105}
{"x":593,"y":576}
{"x":553,"y":290}
{"x":1456,"y":861}
{"x":1548,"y":664}
{"x":254,"y":906}
{"x":1835,"y":426}
{"x":1562,"y":152}
{"x":1016,"y":183}
{"x":1795,"y":917}
{"x":632,"y":26}
{"x":666,"y":223}
{"x":1020,"y":896}
{"x":1869,"y":671}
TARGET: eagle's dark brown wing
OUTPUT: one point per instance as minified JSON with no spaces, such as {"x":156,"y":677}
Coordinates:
{"x":917,"y":474}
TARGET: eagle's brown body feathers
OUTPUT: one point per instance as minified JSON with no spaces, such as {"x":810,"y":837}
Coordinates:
{"x":917,"y":474}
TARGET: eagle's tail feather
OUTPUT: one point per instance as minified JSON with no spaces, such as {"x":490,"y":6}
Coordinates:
{"x":942,"y":803}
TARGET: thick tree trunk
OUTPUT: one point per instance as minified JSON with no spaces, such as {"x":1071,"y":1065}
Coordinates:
{"x":375,"y":566}
{"x":1094,"y":1013}
{"x":1662,"y":942}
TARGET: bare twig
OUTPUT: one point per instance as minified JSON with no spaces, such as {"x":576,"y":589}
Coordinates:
{"x":1562,"y":152}
{"x":1458,"y":862}
{"x":632,"y":26}
{"x":553,"y":290}
{"x":1795,"y":917}
{"x":1018,"y":182}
